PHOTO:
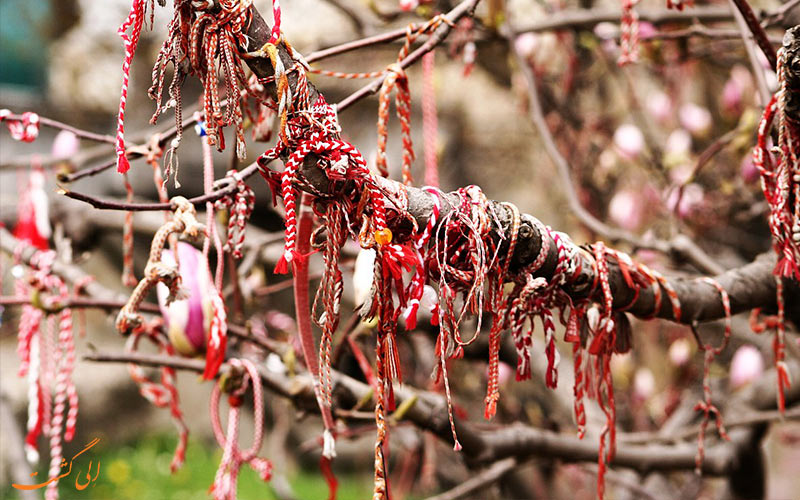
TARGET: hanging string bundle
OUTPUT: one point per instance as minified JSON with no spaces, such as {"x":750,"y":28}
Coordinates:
{"x":597,"y":331}
{"x":780,"y":182}
{"x":163,"y":393}
{"x":239,"y":206}
{"x":430,"y":121}
{"x":205,"y":38}
{"x":306,"y":129}
{"x":603,"y":329}
{"x":499,"y":305}
{"x":43,"y":359}
{"x":33,"y":213}
{"x":243,"y":374}
{"x":396,"y":79}
{"x":710,"y":352}
{"x":134,"y":23}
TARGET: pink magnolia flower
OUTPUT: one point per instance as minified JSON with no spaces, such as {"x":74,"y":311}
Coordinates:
{"x":188,"y":320}
{"x":679,"y":352}
{"x":526,"y":44}
{"x":606,"y":31}
{"x":629,"y":141}
{"x":660,"y":106}
{"x":681,"y":174}
{"x":748,"y":169}
{"x":625,"y":209}
{"x":696,"y":119}
{"x":644,"y":384}
{"x":408,"y":5}
{"x":679,"y":142}
{"x":747,"y":365}
{"x":684,"y":204}
{"x":65,"y":144}
{"x":504,"y":372}
{"x":646,"y":30}
{"x":732,"y":94}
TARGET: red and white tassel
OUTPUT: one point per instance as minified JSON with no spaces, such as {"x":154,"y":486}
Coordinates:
{"x":135,"y":21}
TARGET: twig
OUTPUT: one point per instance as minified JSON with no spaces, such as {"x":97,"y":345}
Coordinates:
{"x":704,"y":157}
{"x":87,"y":172}
{"x":758,"y":71}
{"x":464,"y":8}
{"x":702,"y":31}
{"x":343,"y":48}
{"x":779,"y":14}
{"x":139,"y":207}
{"x":759,"y":35}
{"x":83,"y":134}
{"x":103,"y":150}
{"x":491,"y":474}
{"x":690,"y":432}
{"x":54,"y":306}
{"x":588,"y":18}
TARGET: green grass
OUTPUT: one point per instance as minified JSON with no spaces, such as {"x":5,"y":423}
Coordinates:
{"x":140,"y":470}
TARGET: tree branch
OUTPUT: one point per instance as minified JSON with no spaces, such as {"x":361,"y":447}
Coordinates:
{"x":491,"y":474}
{"x":428,"y":412}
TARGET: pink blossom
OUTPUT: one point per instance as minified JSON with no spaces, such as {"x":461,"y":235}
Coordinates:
{"x":646,"y":30}
{"x":629,"y":141}
{"x":408,"y":5}
{"x":65,"y":144}
{"x":681,"y":174}
{"x":747,"y":365}
{"x":732,"y":97}
{"x":742,"y":76}
{"x":748,"y":169}
{"x":679,"y":142}
{"x":504,"y":372}
{"x":280,"y":321}
{"x":679,"y":352}
{"x":687,"y":202}
{"x":644,"y":384}
{"x":660,"y":106}
{"x":187,"y":320}
{"x":625,"y":209}
{"x":526,"y":44}
{"x":696,"y":119}
{"x":606,"y":31}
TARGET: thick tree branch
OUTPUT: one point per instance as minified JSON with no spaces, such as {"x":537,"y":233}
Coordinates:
{"x":428,"y":412}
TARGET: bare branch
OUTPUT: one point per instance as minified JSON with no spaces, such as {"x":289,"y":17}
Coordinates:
{"x":491,"y":474}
